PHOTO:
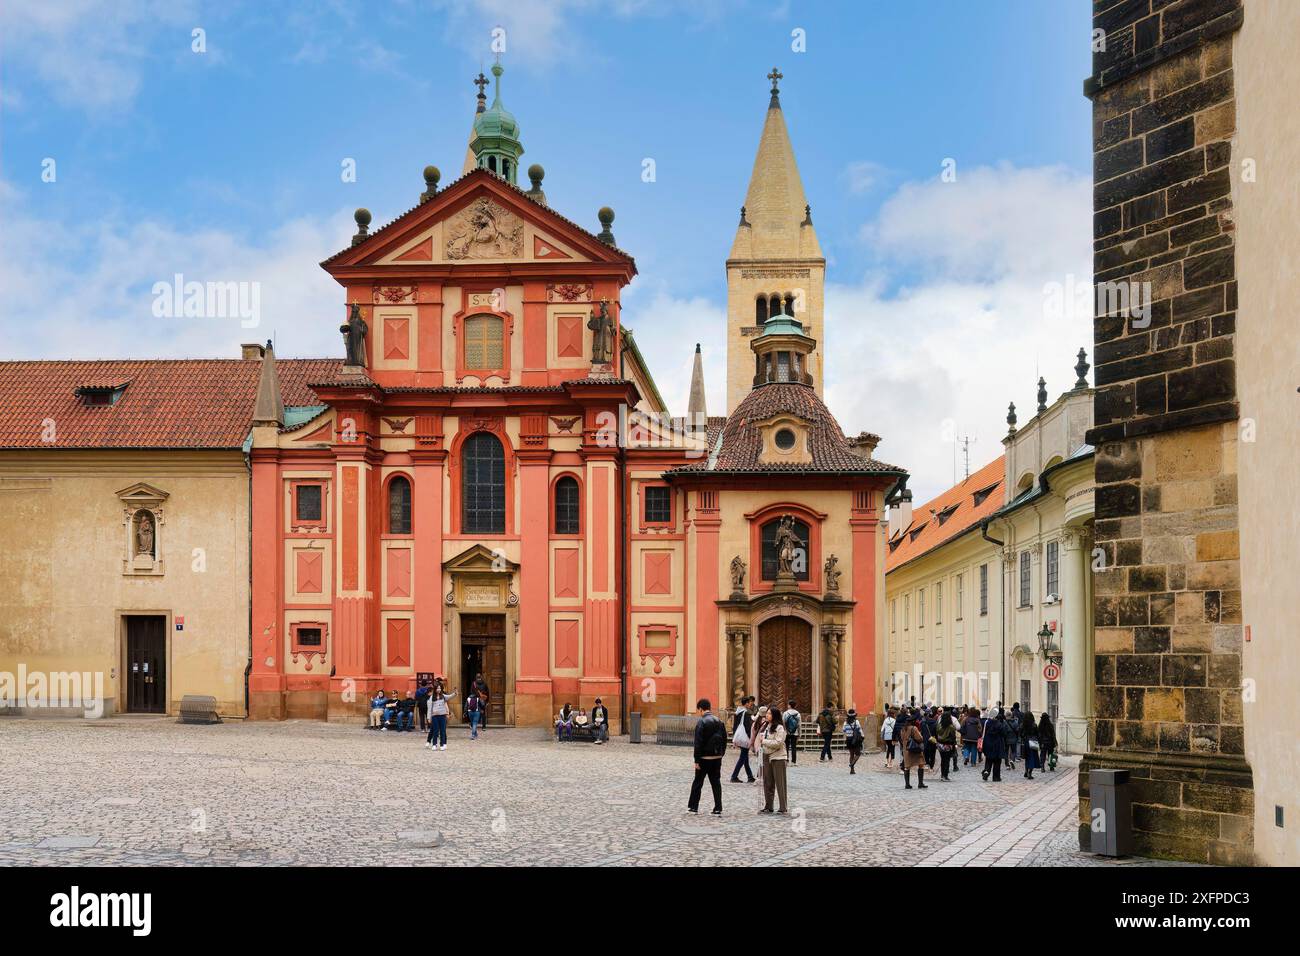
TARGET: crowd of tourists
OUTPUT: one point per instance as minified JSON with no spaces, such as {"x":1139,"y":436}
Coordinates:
{"x":766,"y":739}
{"x":992,"y":738}
{"x":429,"y":706}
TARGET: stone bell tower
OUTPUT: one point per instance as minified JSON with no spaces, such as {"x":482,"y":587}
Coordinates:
{"x":776,"y":265}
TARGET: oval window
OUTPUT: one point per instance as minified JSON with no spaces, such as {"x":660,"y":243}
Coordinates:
{"x":784,"y":439}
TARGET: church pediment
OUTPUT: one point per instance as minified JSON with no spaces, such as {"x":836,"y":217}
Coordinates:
{"x":478,"y":559}
{"x":141,"y":495}
{"x":479,"y":218}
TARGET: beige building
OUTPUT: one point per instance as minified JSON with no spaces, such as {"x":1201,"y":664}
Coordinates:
{"x":1267,"y":209}
{"x":124,"y":507}
{"x":976,"y":574}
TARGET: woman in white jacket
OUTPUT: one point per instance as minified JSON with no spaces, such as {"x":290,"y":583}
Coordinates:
{"x":887,"y":738}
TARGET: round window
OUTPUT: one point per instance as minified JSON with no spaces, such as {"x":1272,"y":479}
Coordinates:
{"x":784,"y":439}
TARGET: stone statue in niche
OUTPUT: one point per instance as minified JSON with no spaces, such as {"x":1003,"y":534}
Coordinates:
{"x":484,"y":231}
{"x":788,"y":543}
{"x":602,"y":338}
{"x":354,"y":337}
{"x":144,"y":534}
{"x":832,"y":573}
{"x":737,"y":575}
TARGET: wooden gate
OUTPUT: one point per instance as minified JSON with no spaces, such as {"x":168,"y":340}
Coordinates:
{"x":785,"y":663}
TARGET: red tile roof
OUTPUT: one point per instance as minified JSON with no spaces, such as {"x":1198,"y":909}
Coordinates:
{"x":742,"y":441}
{"x":167,"y":403}
{"x":927,"y":532}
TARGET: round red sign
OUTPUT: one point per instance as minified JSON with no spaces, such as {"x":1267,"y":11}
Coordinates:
{"x":1052,"y":671}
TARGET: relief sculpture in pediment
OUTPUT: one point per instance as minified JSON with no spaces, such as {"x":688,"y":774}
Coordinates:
{"x":484,"y":230}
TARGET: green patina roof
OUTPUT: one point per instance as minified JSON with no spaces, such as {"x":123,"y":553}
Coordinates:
{"x":496,"y":122}
{"x":783,"y":325}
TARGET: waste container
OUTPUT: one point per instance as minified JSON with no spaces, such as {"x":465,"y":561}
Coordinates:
{"x":634,"y":727}
{"x":1112,"y":812}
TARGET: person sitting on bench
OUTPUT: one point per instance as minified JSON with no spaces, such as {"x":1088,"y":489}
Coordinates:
{"x":406,"y":712}
{"x":564,"y":723}
{"x":390,"y":710}
{"x":377,"y":704}
{"x":600,"y":722}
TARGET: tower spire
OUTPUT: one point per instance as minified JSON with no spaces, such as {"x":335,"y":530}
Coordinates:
{"x":696,"y":412}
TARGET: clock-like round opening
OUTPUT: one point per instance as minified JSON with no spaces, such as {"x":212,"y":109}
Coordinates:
{"x":784,"y":439}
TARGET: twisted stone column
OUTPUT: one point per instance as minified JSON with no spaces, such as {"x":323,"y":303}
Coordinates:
{"x":834,"y":642}
{"x":737,"y":637}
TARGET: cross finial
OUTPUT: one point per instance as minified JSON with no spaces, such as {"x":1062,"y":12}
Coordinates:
{"x":480,"y":81}
{"x":775,"y":76}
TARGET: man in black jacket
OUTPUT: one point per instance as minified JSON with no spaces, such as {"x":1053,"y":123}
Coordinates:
{"x":744,"y":715}
{"x":710,"y":745}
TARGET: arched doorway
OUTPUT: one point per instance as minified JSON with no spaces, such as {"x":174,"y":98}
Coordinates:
{"x":785,"y":662}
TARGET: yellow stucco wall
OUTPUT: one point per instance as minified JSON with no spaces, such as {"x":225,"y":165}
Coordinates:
{"x":1267,"y":210}
{"x":63,"y":593}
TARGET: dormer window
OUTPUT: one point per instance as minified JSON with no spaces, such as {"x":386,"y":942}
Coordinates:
{"x":99,"y":396}
{"x":946,"y":513}
{"x":983,"y":493}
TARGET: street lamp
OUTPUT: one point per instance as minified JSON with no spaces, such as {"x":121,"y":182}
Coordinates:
{"x":1045,"y":636}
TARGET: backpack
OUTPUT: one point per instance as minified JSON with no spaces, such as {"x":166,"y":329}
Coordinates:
{"x":715,"y":744}
{"x":791,"y":723}
{"x":855,"y":740}
{"x":471,"y":704}
{"x":915,"y":744}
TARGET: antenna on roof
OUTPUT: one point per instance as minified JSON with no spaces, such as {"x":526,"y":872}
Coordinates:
{"x":965,"y":451}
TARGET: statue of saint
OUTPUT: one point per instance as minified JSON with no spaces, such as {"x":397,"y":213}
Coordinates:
{"x":737,"y":575}
{"x":602,"y":339}
{"x":787,"y":544}
{"x":832,"y":573}
{"x":144,"y":534}
{"x":354,"y":337}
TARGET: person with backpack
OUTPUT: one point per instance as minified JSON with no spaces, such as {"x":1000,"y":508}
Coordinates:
{"x":438,"y":710}
{"x":993,"y":745}
{"x":930,"y":730}
{"x":1011,"y":730}
{"x":913,"y":753}
{"x":1030,"y":743}
{"x":853,"y":738}
{"x":826,"y":727}
{"x":946,"y":738}
{"x":473,"y":711}
{"x":773,"y":746}
{"x":742,"y":729}
{"x":887,"y":735}
{"x":792,"y":718}
{"x":971,"y":726}
{"x":484,"y":694}
{"x":710,"y":745}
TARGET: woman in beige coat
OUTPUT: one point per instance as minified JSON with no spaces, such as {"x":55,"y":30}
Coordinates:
{"x":913,"y":753}
{"x":774,"y":757}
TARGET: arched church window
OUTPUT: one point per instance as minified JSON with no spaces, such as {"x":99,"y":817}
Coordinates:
{"x":483,"y":342}
{"x":566,"y":506}
{"x":399,"y":506}
{"x":774,"y":305}
{"x":492,"y":163}
{"x":771,"y":552}
{"x":483,"y":485}
{"x":760,"y":310}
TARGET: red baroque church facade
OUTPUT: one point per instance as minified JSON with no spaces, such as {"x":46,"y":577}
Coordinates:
{"x":490,"y":484}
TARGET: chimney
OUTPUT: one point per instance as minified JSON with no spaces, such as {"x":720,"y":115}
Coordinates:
{"x":864,"y":444}
{"x":250,"y":351}
{"x":900,"y":513}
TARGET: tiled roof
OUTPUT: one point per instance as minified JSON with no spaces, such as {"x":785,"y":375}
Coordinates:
{"x":958,"y":511}
{"x":480,"y":171}
{"x":742,"y":442}
{"x":167,"y":403}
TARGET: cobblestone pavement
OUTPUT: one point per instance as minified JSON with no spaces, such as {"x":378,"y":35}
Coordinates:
{"x":133,"y":791}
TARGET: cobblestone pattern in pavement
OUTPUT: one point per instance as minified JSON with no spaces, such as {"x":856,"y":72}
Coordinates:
{"x":129,"y":791}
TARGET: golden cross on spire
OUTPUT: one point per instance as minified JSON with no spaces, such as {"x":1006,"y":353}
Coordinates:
{"x":774,"y":76}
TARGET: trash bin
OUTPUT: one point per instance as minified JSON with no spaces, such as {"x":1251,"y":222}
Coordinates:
{"x":634,"y":727}
{"x":1112,"y":812}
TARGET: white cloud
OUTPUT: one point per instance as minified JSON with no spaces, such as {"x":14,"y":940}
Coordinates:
{"x":863,"y":175}
{"x":91,"y":53}
{"x":666,"y":329}
{"x":943,"y":354}
{"x":86,"y":291}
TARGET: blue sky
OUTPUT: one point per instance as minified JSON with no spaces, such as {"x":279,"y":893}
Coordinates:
{"x":226,"y":165}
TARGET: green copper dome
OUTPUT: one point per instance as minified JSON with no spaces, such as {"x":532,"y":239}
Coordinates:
{"x":496,"y":142}
{"x":783,"y":325}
